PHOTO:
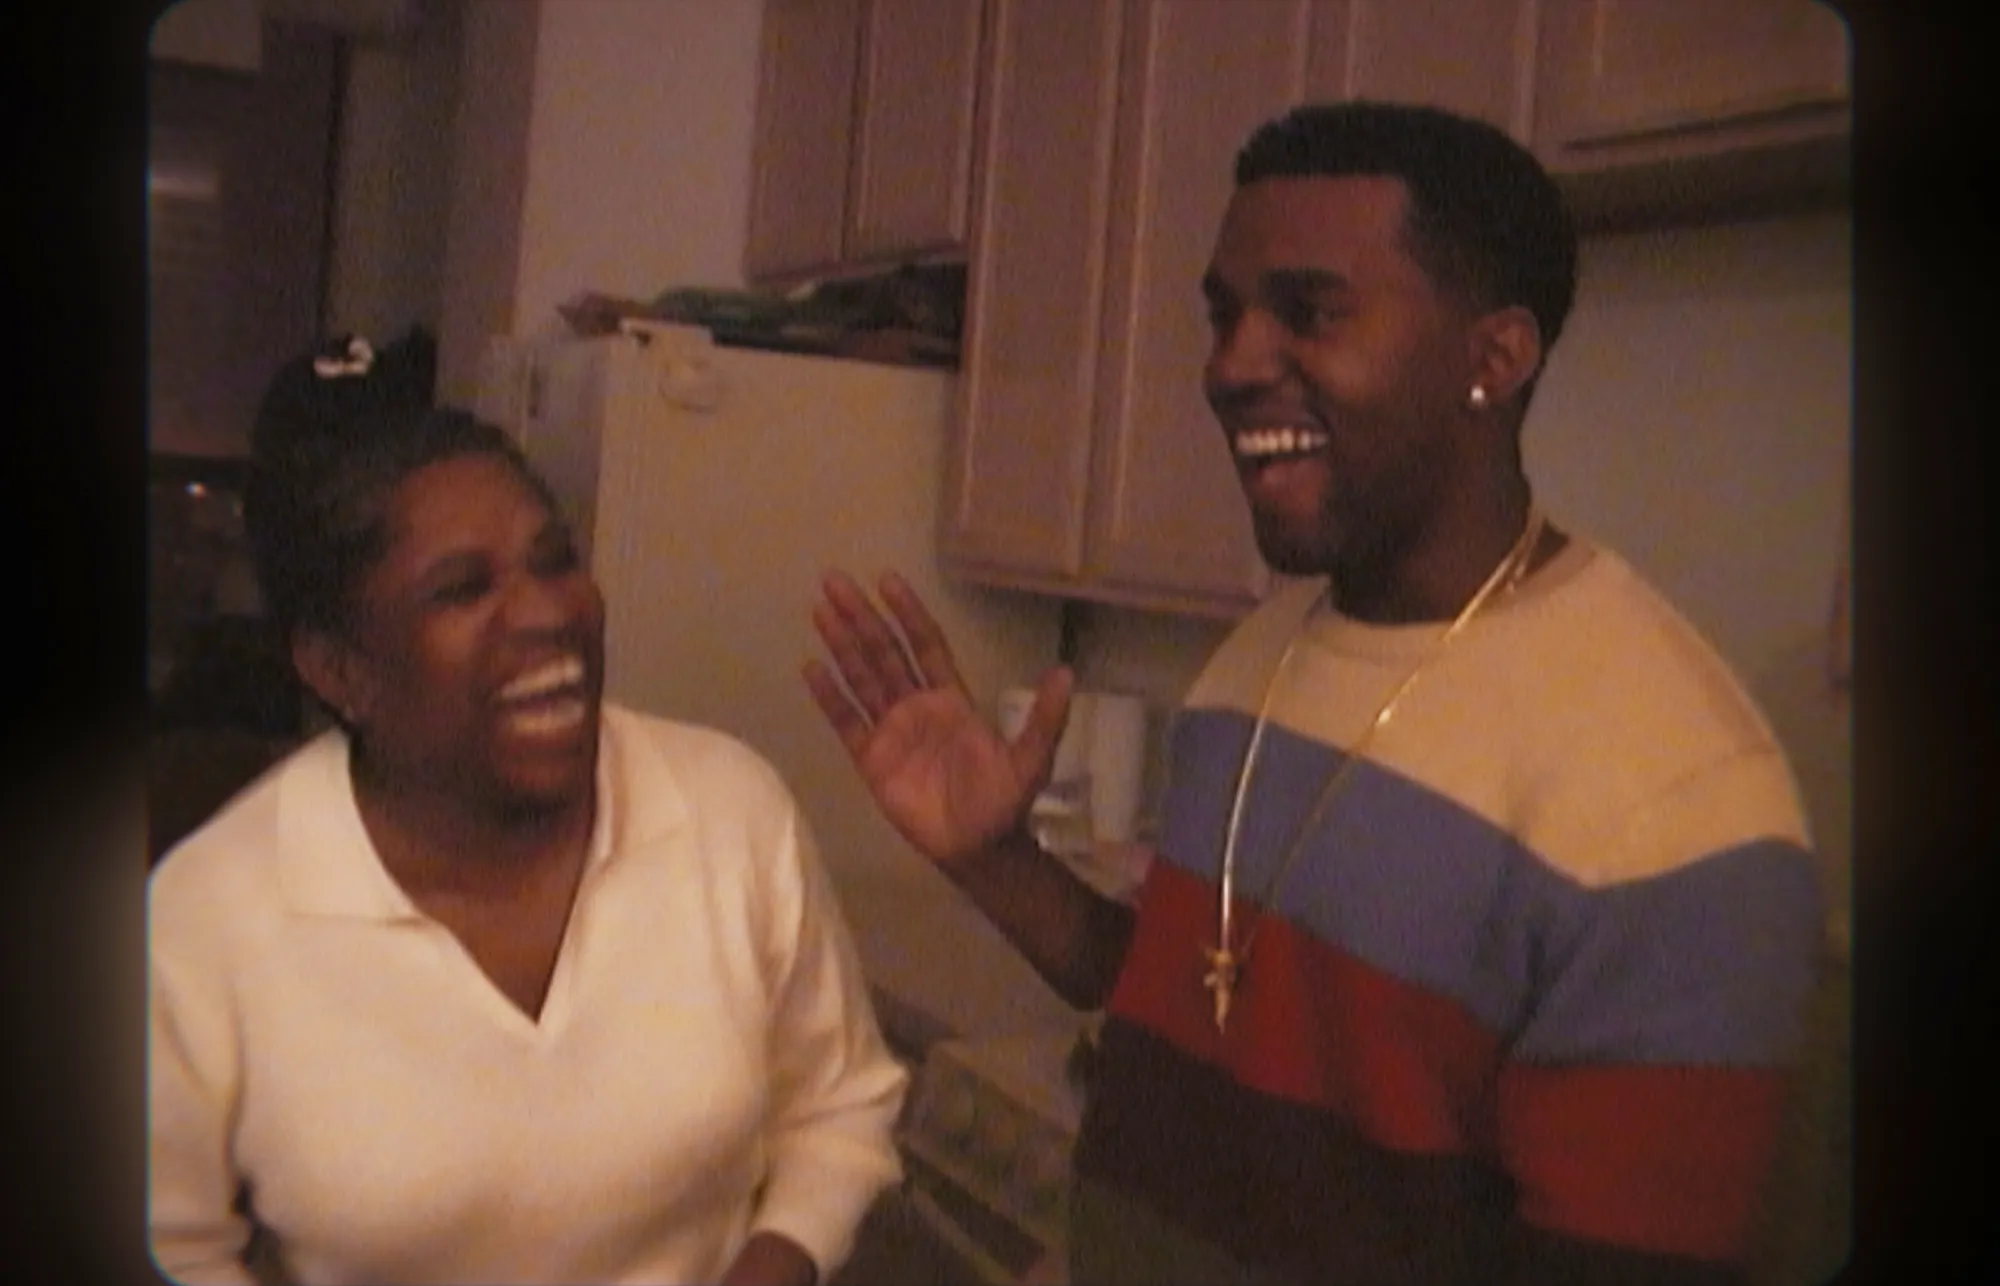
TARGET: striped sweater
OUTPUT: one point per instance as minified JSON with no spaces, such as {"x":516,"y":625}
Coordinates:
{"x":1522,"y":1008}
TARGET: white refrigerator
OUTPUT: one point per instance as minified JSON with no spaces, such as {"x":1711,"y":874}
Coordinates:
{"x":711,"y":487}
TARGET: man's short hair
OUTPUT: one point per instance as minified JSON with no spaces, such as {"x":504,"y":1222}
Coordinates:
{"x":1484,"y":217}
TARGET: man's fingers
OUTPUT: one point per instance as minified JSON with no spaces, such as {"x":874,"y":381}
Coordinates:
{"x":871,"y":645}
{"x":849,"y":722}
{"x":859,"y":667}
{"x":936,"y":668}
{"x":1033,"y":752}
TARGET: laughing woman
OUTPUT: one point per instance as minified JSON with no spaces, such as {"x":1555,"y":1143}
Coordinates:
{"x":493,"y":981}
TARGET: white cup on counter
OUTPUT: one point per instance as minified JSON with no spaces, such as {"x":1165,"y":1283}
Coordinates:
{"x":1093,"y":795}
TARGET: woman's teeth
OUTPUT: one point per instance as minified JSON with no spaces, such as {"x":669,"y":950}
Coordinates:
{"x":556,"y":716}
{"x":1266,"y":444}
{"x":548,"y":700}
{"x":558,"y":674}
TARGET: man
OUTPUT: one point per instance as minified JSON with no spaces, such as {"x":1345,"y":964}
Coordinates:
{"x":1481,"y":916}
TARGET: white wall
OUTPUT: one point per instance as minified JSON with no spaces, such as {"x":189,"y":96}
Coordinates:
{"x":600,"y":145}
{"x":638,"y":151}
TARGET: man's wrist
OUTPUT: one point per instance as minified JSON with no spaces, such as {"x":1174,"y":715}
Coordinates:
{"x":1017,"y":842}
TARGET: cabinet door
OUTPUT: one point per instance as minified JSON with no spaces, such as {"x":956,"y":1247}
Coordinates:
{"x":912,"y":167}
{"x":805,"y":119}
{"x":1018,"y":469}
{"x":1625,"y":81}
{"x":1169,"y":523}
{"x":1474,"y":57}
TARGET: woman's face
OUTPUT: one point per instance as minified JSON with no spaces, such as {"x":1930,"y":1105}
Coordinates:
{"x":474,"y":658}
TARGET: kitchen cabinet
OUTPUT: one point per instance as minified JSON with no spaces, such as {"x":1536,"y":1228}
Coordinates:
{"x":1017,"y":475}
{"x":1682,"y":107}
{"x":1624,"y":80}
{"x":805,"y":108}
{"x":1086,"y":462}
{"x":863,"y":145}
{"x":1474,"y":57}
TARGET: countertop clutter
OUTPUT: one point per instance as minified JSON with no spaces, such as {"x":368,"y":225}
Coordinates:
{"x":908,"y":316}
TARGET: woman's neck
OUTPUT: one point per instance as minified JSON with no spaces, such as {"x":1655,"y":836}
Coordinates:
{"x":433,"y":837}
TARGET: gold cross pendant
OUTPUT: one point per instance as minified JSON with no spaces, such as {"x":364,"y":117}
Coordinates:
{"x":1220,"y":979}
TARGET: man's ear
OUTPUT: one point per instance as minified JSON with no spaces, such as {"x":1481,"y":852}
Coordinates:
{"x":332,"y":669}
{"x":1506,"y":353}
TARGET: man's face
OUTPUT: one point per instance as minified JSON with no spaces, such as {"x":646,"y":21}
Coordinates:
{"x":1338,"y":371}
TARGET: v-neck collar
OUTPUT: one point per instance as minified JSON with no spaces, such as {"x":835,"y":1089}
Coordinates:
{"x":328,"y":866}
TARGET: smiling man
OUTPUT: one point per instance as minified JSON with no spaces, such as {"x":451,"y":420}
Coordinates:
{"x":1481,"y":916}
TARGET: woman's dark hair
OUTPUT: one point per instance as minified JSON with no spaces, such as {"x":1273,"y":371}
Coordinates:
{"x":329,"y":449}
{"x":1484,"y":217}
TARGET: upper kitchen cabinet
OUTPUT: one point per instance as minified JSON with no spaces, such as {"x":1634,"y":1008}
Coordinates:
{"x":1017,"y":474}
{"x":1662,"y":108}
{"x":1086,"y":461}
{"x":805,"y":116}
{"x":863,"y":153}
{"x":1474,"y":57}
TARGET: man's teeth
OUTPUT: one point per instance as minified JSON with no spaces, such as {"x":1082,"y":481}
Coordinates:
{"x":563,"y":673}
{"x":1257,"y":444}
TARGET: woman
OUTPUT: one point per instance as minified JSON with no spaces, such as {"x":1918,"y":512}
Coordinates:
{"x":493,"y":982}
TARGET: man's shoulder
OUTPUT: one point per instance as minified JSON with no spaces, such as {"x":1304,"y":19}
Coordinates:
{"x":1253,"y":644}
{"x":1615,"y":643}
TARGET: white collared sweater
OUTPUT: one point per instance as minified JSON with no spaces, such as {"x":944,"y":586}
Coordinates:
{"x":705,"y":1066}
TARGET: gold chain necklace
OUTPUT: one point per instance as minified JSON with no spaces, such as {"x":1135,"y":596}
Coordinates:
{"x":1226,"y":960}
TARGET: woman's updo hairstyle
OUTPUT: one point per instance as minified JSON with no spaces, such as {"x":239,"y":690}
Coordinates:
{"x":338,"y":429}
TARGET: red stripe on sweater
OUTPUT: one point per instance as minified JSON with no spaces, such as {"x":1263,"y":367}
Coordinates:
{"x":1667,"y":1159}
{"x":1310,"y":1023}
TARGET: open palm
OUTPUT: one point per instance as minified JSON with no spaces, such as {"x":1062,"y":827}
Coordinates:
{"x":942,"y":775}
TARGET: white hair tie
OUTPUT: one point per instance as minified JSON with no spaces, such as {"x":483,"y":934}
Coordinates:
{"x":356,"y":359}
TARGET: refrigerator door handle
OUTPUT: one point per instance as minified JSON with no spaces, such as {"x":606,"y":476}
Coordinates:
{"x":691,"y":383}
{"x":684,"y":375}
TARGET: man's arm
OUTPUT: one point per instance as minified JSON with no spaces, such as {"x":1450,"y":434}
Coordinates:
{"x":1073,"y":936}
{"x":957,"y":790}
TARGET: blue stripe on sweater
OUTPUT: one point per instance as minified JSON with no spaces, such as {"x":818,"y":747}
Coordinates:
{"x":1701,"y":965}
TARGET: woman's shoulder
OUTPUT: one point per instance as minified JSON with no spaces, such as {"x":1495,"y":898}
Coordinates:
{"x":670,"y":778}
{"x":697,"y":755}
{"x":193,"y":773}
{"x":231,"y":857}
